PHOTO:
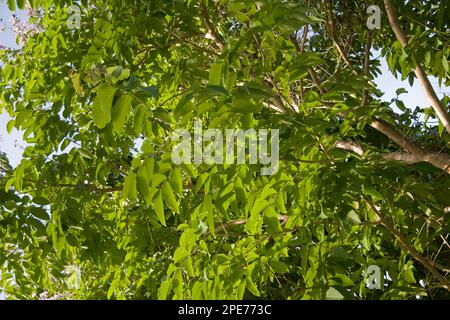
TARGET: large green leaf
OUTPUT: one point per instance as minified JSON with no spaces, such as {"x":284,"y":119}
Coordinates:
{"x":101,"y":108}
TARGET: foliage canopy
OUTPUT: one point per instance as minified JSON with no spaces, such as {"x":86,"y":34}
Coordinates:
{"x":96,"y":208}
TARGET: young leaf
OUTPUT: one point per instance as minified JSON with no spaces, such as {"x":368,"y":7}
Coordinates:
{"x":176,"y":181}
{"x":129,"y":187}
{"x":143,"y":185}
{"x":159,"y":207}
{"x":120,"y":112}
{"x":169,"y":197}
{"x":215,"y":74}
{"x":102,"y":105}
{"x":139,"y":118}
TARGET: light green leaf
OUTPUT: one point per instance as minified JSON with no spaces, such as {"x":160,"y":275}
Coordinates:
{"x":279,"y":267}
{"x":250,"y":285}
{"x":129,"y":187}
{"x":164,"y":289}
{"x":215,"y":74}
{"x":189,"y":239}
{"x":176,"y":181}
{"x":120,"y":112}
{"x":333,"y":294}
{"x":180,"y":255}
{"x":139,"y":118}
{"x":10,"y":125}
{"x":12,"y":5}
{"x":272,"y":220}
{"x":159,"y":207}
{"x":279,"y":202}
{"x":102,"y":105}
{"x":143,"y":185}
{"x":169,"y":197}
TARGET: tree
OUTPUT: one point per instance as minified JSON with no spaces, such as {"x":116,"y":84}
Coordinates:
{"x":97,"y":209}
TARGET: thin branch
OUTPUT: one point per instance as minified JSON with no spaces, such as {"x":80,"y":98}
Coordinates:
{"x":408,"y":247}
{"x":87,"y":186}
{"x":212,"y":34}
{"x":441,"y":161}
{"x":419,"y":71}
{"x":367,"y":48}
{"x":331,"y":31}
{"x":416,"y":153}
{"x":385,"y":128}
{"x":350,"y":146}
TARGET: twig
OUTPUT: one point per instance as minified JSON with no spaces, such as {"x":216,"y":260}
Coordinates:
{"x":407,"y":246}
{"x":419,"y":71}
{"x":212,"y":34}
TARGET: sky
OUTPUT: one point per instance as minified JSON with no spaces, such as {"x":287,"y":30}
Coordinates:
{"x":13,"y":144}
{"x":10,"y":144}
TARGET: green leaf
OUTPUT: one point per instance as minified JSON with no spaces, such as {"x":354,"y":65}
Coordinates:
{"x":279,"y":202}
{"x":159,"y":207}
{"x":215,"y":74}
{"x":180,"y":255}
{"x":279,"y":267}
{"x":400,"y":91}
{"x":119,"y":73}
{"x":440,"y":128}
{"x":111,"y":290}
{"x":12,"y":5}
{"x":151,"y":92}
{"x":129,"y":187}
{"x":139,"y":118}
{"x":120,"y":112}
{"x":164,"y":289}
{"x":367,"y":189}
{"x":213,"y":91}
{"x":149,"y":165}
{"x":333,"y":294}
{"x":189,"y":239}
{"x":408,"y":274}
{"x":445,"y":63}
{"x":102,"y":105}
{"x":41,"y":200}
{"x":207,"y":207}
{"x":169,"y":197}
{"x":266,"y":192}
{"x":272,"y":220}
{"x":244,"y":106}
{"x":185,"y":105}
{"x":143,"y":185}
{"x":250,"y":285}
{"x":197,"y":291}
{"x":176,"y":181}
{"x":10,"y":125}
{"x":353,"y":216}
{"x":39,"y":213}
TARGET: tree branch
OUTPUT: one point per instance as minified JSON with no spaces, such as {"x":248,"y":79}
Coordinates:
{"x":331,"y":32}
{"x":367,"y":48}
{"x":212,"y":34}
{"x":416,"y":153}
{"x":350,"y":146}
{"x":419,"y":71}
{"x":441,"y":161}
{"x":88,"y":186}
{"x":408,"y":247}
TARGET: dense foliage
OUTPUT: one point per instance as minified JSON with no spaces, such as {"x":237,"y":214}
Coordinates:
{"x":97,"y":209}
